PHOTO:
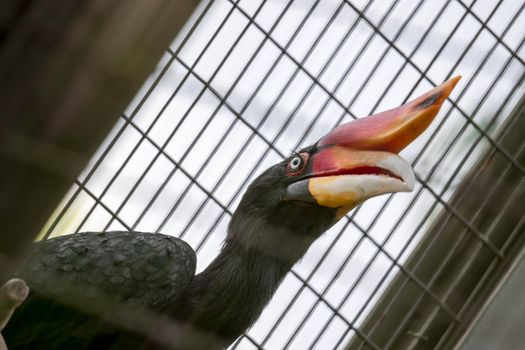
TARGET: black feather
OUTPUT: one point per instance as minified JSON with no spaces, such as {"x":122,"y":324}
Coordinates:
{"x":93,"y":275}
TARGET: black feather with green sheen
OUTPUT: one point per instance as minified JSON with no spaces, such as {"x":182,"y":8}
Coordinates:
{"x":95,"y":270}
{"x":266,"y":236}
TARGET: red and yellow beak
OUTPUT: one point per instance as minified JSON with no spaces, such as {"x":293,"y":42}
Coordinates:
{"x":359,"y":160}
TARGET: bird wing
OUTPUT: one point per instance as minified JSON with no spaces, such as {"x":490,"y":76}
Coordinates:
{"x":91,"y":271}
{"x":142,"y":268}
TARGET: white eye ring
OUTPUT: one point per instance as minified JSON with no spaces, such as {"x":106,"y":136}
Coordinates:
{"x":296,"y":163}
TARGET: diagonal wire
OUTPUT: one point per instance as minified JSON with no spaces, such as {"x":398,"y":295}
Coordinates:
{"x":503,"y":209}
{"x":406,"y":211}
{"x":270,"y":145}
{"x":404,"y":56}
{"x":445,"y":261}
{"x":224,"y":136}
{"x":358,"y":243}
{"x":331,"y":97}
{"x":519,"y":227}
{"x":497,"y":114}
{"x":325,"y":254}
{"x":181,"y":121}
{"x":119,"y":133}
{"x":498,"y":38}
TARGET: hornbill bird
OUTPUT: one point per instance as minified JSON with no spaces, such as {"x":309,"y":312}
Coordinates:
{"x":84,"y":285}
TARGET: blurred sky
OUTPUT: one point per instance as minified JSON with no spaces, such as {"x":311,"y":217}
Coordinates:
{"x":293,"y":82}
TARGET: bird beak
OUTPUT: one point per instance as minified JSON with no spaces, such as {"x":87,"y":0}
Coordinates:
{"x":359,"y":159}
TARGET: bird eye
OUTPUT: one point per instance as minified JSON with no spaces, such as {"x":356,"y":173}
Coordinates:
{"x":297,"y":164}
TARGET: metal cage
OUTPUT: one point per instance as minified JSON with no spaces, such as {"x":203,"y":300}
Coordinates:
{"x":246,"y":82}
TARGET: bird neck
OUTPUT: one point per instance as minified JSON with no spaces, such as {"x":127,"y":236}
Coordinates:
{"x":230,"y":294}
{"x":260,"y":248}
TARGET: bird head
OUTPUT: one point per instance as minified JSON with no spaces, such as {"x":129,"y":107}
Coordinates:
{"x":316,"y":186}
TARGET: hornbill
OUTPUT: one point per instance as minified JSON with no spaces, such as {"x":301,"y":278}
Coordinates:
{"x":84,"y":285}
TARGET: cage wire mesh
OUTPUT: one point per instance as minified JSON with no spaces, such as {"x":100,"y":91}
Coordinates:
{"x":246,"y":82}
